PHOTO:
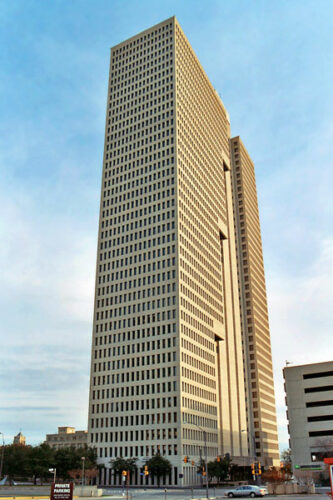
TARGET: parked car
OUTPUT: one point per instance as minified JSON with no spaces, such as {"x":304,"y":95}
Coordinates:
{"x":247,"y":491}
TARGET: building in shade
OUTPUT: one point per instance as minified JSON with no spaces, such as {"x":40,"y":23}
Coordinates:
{"x":309,"y":400}
{"x":260,"y":396}
{"x":167,"y":369}
{"x":67,"y":437}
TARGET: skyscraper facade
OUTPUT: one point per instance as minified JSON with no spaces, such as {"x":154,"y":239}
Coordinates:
{"x":262,"y":427}
{"x":167,"y":370}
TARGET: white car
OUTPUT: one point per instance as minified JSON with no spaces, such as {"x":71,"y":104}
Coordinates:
{"x":247,"y":491}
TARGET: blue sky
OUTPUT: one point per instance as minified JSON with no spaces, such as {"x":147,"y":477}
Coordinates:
{"x":271,"y":62}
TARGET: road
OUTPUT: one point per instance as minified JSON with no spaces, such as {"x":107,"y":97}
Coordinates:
{"x":140,"y":494}
{"x":197,"y":494}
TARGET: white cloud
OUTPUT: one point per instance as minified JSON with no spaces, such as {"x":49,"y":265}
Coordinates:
{"x":47,"y":265}
{"x":301,"y":318}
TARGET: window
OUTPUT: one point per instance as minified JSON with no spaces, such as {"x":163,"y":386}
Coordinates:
{"x":318,"y":389}
{"x":317,"y":375}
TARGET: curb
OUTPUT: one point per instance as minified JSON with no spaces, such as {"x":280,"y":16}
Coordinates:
{"x":29,"y":497}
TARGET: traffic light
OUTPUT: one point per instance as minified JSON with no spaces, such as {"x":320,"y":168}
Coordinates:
{"x":257,"y":468}
{"x":192,"y":463}
{"x":203,"y":470}
{"x":146,"y":472}
{"x":124,"y":473}
{"x":253,"y":469}
{"x":185,"y":459}
{"x":218,"y":459}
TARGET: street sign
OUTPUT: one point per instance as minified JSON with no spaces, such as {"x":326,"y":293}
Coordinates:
{"x":309,"y":467}
{"x":61,"y":491}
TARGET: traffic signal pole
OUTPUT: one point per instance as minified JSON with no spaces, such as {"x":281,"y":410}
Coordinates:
{"x":206,"y":461}
{"x":257,"y":475}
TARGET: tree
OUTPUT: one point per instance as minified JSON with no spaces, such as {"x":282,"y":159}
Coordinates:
{"x":158,"y":466}
{"x":120,"y":464}
{"x":35,"y":461}
{"x":69,"y":459}
{"x":325,"y":448}
{"x":273,"y":475}
{"x":16,"y":460}
{"x":240,"y":473}
{"x":286,"y":455}
{"x":89,"y":475}
{"x":219,"y":468}
{"x":286,"y":460}
{"x":41,"y":458}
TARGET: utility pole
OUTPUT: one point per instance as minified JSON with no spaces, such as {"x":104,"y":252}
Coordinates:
{"x":2,"y":454}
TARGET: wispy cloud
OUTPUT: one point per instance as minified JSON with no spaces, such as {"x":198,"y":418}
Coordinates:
{"x":270,"y":65}
{"x":301,"y":319}
{"x":46,"y":298}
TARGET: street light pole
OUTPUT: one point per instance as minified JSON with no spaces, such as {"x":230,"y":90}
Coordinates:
{"x":206,"y":459}
{"x":206,"y":456}
{"x":54,"y":471}
{"x":2,"y":454}
{"x":83,"y":482}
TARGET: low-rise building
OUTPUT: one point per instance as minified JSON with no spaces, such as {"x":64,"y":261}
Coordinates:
{"x":67,"y":437}
{"x":309,"y":400}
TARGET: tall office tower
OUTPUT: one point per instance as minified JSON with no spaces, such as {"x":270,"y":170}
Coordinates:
{"x":167,"y":373}
{"x":262,"y":426}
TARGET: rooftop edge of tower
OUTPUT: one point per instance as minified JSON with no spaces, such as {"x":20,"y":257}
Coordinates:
{"x":203,"y":69}
{"x":134,"y":37}
{"x":238,"y":139}
{"x":175,"y":22}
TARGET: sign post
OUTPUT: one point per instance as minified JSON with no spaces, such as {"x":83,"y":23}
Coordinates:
{"x":61,"y":491}
{"x":127,"y":481}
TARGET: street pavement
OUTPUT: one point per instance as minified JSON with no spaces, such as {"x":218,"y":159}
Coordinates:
{"x":188,"y":495}
{"x":22,"y":493}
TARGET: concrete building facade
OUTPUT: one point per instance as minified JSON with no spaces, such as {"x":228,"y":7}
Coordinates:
{"x":67,"y":437}
{"x":309,"y":400}
{"x":260,"y":396}
{"x":167,"y":370}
